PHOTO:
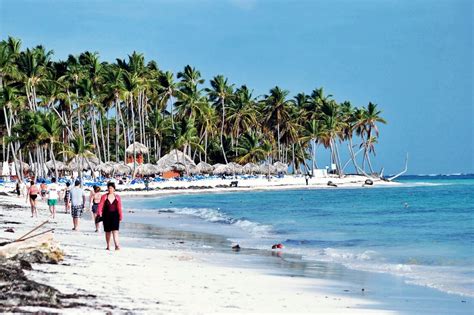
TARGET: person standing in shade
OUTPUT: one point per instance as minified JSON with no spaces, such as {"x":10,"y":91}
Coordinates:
{"x":53,"y":196}
{"x":78,"y":200}
{"x":110,"y":209}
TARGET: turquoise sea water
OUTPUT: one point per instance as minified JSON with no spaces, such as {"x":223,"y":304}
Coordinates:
{"x":422,"y":231}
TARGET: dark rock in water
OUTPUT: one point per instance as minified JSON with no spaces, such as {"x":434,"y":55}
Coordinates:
{"x":10,"y":230}
{"x":369,"y":182}
{"x":330,"y":183}
{"x":236,"y":247}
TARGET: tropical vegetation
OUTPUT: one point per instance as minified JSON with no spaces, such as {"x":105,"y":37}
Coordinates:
{"x":58,"y":110}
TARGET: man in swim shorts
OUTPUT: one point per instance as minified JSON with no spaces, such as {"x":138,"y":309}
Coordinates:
{"x":53,"y":196}
{"x":78,"y":200}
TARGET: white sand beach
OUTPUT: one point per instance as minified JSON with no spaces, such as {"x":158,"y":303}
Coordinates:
{"x":177,"y":281}
{"x":252,"y":184}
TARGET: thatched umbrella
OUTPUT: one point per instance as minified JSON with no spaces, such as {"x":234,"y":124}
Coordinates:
{"x":146,"y":169}
{"x":175,"y":160}
{"x":107,"y":168}
{"x":84,"y":163}
{"x":137,"y":148}
{"x":281,"y":167}
{"x":267,"y":169}
{"x":122,"y":169}
{"x":59,"y":165}
{"x":251,"y":168}
{"x":193,"y":170}
{"x":220,"y":169}
{"x":204,"y":168}
{"x":25,"y":166}
{"x":180,"y":167}
{"x":235,"y":168}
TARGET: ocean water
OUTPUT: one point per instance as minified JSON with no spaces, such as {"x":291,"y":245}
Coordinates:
{"x":422,"y":231}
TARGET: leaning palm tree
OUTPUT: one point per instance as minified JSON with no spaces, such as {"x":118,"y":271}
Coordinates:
{"x":367,"y":128}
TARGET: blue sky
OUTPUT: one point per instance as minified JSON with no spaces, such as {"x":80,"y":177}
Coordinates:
{"x":413,"y":58}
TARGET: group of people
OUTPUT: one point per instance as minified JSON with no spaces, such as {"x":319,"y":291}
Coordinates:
{"x":105,"y":208}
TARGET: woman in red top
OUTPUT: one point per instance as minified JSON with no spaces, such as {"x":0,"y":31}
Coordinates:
{"x":110,"y":209}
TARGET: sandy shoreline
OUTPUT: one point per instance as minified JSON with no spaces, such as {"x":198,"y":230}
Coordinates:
{"x":177,"y":281}
{"x":258,"y":184}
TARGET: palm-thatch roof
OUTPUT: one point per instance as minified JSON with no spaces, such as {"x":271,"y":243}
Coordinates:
{"x":235,"y":168}
{"x":175,"y":160}
{"x":59,"y":165}
{"x":204,"y":168}
{"x":281,"y":167}
{"x":267,"y":168}
{"x":251,"y":168}
{"x":107,"y":168}
{"x":83,"y":162}
{"x":220,"y":169}
{"x":146,"y":169}
{"x":25,"y":166}
{"x":122,"y":169}
{"x":137,"y":148}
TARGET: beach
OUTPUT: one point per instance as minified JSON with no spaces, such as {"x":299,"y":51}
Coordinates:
{"x":145,"y":280}
{"x":172,"y":263}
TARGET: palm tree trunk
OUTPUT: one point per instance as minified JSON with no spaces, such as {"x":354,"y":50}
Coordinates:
{"x":222,"y":131}
{"x":54,"y":159}
{"x":101,"y":124}
{"x":117,"y":130}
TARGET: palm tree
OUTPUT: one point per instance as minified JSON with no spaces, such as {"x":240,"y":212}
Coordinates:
{"x":242,"y":114}
{"x":220,"y":93}
{"x":80,"y":151}
{"x":313,"y":132}
{"x":367,"y":128}
{"x":167,"y":89}
{"x":51,"y":131}
{"x":277,"y":110}
{"x":33,"y":65}
{"x":190,"y":77}
{"x":251,"y":149}
{"x":158,"y":127}
{"x":9,"y":51}
{"x":185,"y":136}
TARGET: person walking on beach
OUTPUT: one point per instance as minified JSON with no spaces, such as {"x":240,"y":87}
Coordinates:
{"x":67,"y":197}
{"x":17,"y":188}
{"x":53,"y":197}
{"x":94,"y":204}
{"x":110,"y":209}
{"x":33,"y":192}
{"x":306,"y":178}
{"x":78,"y":200}
{"x":44,"y":189}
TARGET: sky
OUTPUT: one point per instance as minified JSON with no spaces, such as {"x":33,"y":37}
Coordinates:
{"x":411,"y":57}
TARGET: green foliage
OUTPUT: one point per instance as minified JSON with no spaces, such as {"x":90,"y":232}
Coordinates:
{"x":83,"y":106}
